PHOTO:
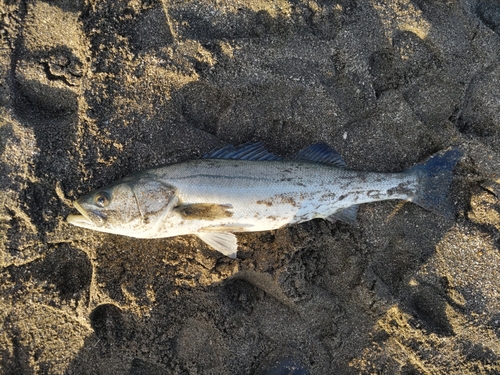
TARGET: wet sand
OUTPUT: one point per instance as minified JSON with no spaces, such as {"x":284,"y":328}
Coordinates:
{"x":91,"y":91}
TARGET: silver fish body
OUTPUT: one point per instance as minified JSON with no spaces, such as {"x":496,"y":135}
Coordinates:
{"x":265,"y":195}
{"x":247,"y":189}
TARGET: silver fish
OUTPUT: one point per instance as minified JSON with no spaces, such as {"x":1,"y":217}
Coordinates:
{"x":247,"y":189}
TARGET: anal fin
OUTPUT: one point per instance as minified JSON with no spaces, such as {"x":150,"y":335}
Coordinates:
{"x":224,"y":242}
{"x":347,"y":215}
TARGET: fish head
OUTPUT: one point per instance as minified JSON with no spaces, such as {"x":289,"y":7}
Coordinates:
{"x":131,"y":207}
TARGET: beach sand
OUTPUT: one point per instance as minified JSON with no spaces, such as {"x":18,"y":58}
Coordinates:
{"x":91,"y":91}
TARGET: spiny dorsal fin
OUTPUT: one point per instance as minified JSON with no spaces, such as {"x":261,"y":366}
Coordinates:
{"x":246,"y":151}
{"x":320,"y":153}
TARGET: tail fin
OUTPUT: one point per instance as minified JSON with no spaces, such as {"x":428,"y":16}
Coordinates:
{"x":434,"y":177}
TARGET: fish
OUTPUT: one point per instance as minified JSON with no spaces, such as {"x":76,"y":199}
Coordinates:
{"x":246,"y":188}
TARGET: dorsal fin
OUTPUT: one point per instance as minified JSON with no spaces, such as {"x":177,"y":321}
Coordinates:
{"x":246,"y":151}
{"x":320,"y":153}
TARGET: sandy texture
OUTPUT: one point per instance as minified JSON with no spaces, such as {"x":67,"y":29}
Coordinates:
{"x":91,"y":91}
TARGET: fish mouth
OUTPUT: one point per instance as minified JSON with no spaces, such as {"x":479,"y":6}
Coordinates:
{"x":82,"y":220}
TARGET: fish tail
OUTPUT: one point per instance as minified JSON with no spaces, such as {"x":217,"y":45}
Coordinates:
{"x":434,"y":180}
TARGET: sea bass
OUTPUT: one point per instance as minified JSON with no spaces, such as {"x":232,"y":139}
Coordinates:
{"x":247,"y":189}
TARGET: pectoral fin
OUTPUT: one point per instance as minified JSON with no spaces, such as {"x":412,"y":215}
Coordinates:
{"x":204,"y":211}
{"x":223,"y":242}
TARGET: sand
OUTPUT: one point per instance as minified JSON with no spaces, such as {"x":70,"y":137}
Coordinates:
{"x":91,"y":91}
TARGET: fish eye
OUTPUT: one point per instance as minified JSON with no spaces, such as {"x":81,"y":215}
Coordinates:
{"x":102,"y":199}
